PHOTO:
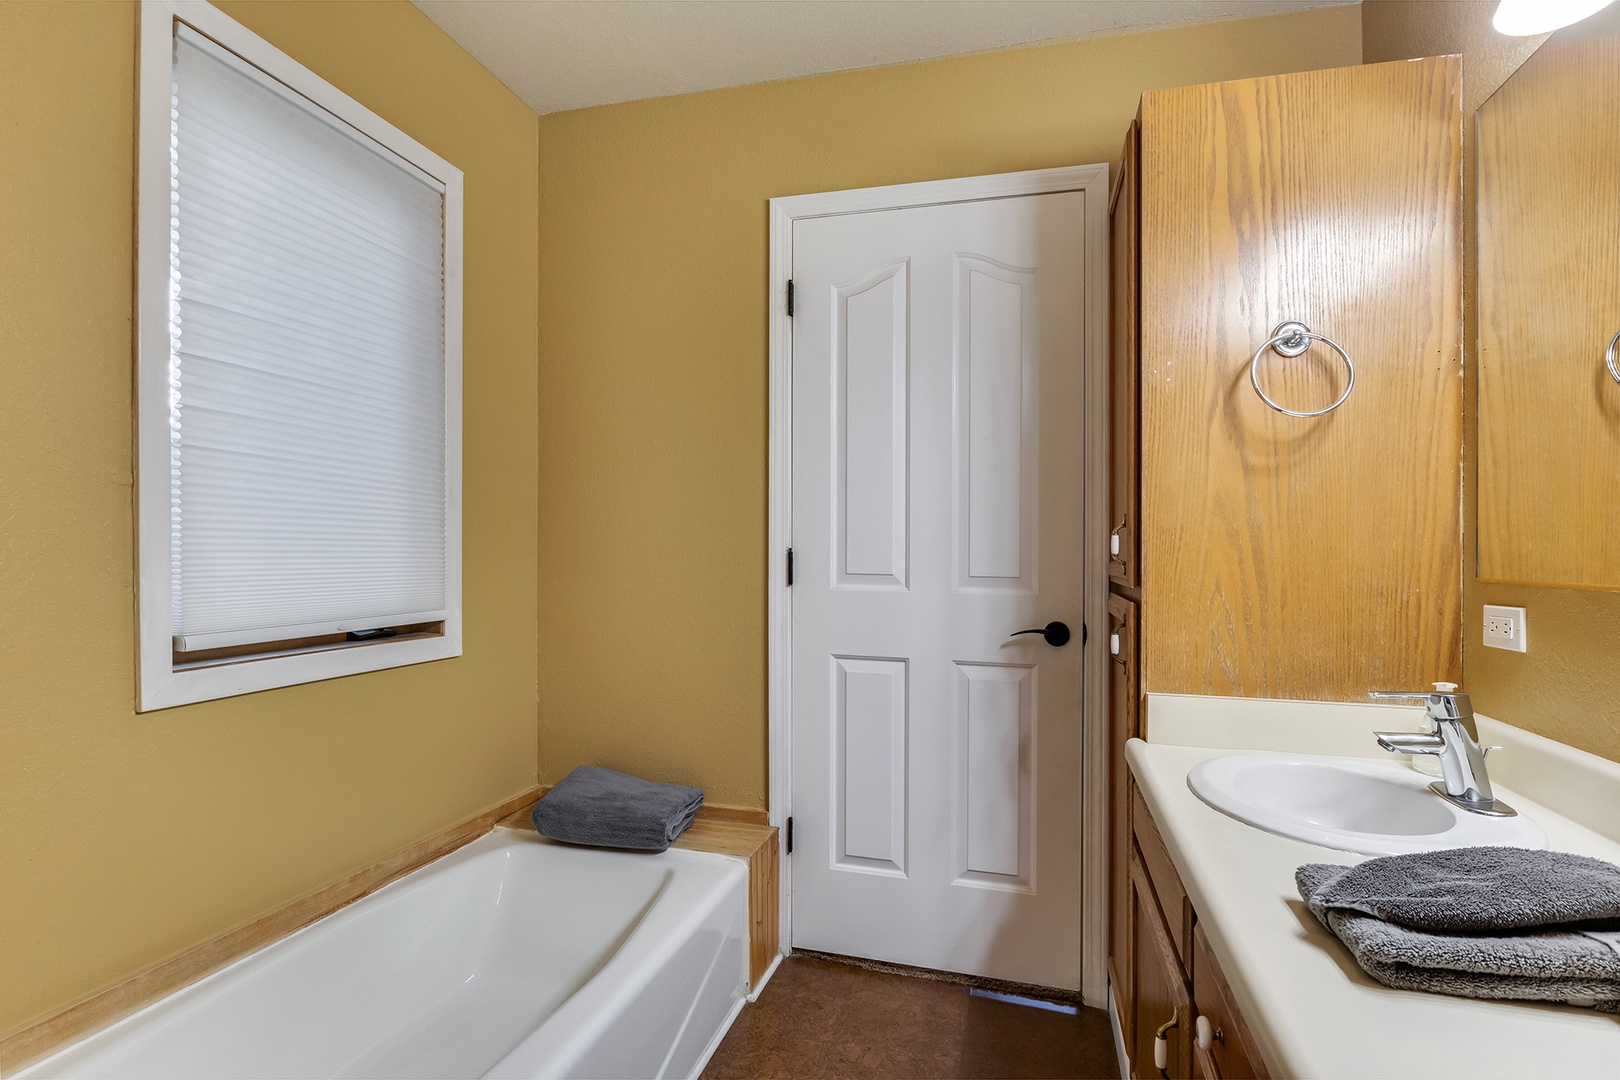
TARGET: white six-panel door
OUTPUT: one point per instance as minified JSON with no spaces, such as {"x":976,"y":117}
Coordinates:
{"x":937,"y":508}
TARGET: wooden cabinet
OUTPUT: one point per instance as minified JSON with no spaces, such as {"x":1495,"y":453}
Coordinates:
{"x":1160,"y":1001}
{"x":1263,"y":554}
{"x":1124,"y":708}
{"x":1222,"y":1045}
{"x":1174,"y":904}
{"x":1285,"y":556}
{"x":1124,"y":430}
{"x":1124,"y":566}
{"x":1549,"y":289}
{"x":1174,"y":977}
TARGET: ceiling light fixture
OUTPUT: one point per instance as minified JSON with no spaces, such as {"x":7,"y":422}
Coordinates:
{"x":1521,"y":18}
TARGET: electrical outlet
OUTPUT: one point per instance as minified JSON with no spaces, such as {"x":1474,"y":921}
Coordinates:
{"x":1504,"y":628}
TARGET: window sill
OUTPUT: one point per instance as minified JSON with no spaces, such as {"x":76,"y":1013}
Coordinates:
{"x":207,"y":680}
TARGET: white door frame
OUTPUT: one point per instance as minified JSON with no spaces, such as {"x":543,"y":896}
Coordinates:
{"x":1093,"y":181}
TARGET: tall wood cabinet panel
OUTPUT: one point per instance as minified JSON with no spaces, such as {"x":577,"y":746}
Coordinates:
{"x":1285,"y":557}
{"x":1124,"y":710}
{"x":1262,"y":554}
{"x":1124,"y":432}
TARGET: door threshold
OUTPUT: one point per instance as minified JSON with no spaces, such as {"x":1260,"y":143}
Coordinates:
{"x":1066,"y":1008}
{"x":1002,"y":987}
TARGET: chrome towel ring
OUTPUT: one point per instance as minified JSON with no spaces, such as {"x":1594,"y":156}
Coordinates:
{"x":1292,"y":338}
{"x":1608,"y":357}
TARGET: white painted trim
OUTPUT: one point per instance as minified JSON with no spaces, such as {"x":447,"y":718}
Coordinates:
{"x":1093,"y":181}
{"x":1122,"y":1057}
{"x":1094,"y":707}
{"x":779,"y":598}
{"x":776,"y":962}
{"x":159,"y":685}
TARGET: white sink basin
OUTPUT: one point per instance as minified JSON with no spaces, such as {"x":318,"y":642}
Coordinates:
{"x":1349,"y":804}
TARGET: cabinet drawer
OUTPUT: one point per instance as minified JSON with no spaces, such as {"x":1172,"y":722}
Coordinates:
{"x":1230,"y":1054}
{"x":1178,"y":911}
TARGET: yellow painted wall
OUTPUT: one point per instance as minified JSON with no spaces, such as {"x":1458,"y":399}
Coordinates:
{"x":653,"y":250}
{"x":125,"y":838}
{"x":1566,"y":687}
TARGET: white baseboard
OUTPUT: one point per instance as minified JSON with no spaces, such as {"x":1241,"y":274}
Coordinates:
{"x":765,"y":978}
{"x":1120,"y":1055}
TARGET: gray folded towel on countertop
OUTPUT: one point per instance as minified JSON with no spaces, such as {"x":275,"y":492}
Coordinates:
{"x":1480,"y":946}
{"x":604,"y":808}
{"x":1478,"y":888}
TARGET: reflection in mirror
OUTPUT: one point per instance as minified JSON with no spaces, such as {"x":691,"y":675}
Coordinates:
{"x":1548,"y":198}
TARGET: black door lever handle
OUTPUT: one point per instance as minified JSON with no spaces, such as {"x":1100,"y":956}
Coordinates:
{"x":1055,"y":633}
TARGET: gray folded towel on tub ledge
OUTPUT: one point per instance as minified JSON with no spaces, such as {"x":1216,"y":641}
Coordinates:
{"x":604,"y":808}
{"x":1495,"y":923}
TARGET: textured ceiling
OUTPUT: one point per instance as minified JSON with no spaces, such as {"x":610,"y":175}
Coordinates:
{"x":567,"y":54}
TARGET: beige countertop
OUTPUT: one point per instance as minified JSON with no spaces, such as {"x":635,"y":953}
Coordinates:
{"x":1311,"y":1009}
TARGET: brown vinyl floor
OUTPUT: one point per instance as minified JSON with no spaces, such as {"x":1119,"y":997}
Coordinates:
{"x":817,"y":1018}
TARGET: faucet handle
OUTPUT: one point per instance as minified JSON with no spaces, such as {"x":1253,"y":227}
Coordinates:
{"x":1441,"y":690}
{"x":1445,"y":702}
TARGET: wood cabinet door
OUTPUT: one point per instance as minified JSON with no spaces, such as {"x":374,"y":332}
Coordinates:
{"x":1124,"y":430}
{"x":1158,"y":988}
{"x":1288,"y":557}
{"x":1124,"y":706}
{"x":1549,"y":303}
{"x":1231,"y":1054}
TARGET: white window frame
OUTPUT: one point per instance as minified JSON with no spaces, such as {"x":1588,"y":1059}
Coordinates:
{"x":161,"y":683}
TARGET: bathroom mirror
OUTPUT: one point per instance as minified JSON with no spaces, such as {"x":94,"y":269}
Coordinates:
{"x":1547,"y":191}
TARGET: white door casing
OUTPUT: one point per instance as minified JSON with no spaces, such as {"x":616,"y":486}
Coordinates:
{"x":930,"y":457}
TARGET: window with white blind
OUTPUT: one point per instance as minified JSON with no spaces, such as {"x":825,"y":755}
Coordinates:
{"x":298,"y":373}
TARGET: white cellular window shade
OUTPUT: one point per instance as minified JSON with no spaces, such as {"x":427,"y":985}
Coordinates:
{"x":306,"y":369}
{"x":299,"y":372}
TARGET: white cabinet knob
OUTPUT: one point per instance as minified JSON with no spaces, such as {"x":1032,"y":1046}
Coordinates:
{"x":1113,"y":644}
{"x":1113,"y":544}
{"x":1205,"y":1033}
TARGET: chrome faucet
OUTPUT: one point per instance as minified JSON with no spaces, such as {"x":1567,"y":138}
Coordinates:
{"x":1453,"y":738}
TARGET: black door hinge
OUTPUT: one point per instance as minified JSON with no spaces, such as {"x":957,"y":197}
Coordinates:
{"x":790,"y":836}
{"x":790,"y":567}
{"x":790,"y":298}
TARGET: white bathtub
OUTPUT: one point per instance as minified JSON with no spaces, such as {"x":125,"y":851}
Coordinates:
{"x":511,"y":957}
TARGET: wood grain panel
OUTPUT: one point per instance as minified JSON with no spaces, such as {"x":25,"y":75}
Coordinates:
{"x":764,"y":909}
{"x":1548,"y":206}
{"x":1159,"y":988}
{"x":1174,"y":904}
{"x":1284,"y":557}
{"x":706,"y":813}
{"x":20,"y":1047}
{"x":1124,"y":420}
{"x":1232,"y":1054}
{"x":1124,"y":710}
